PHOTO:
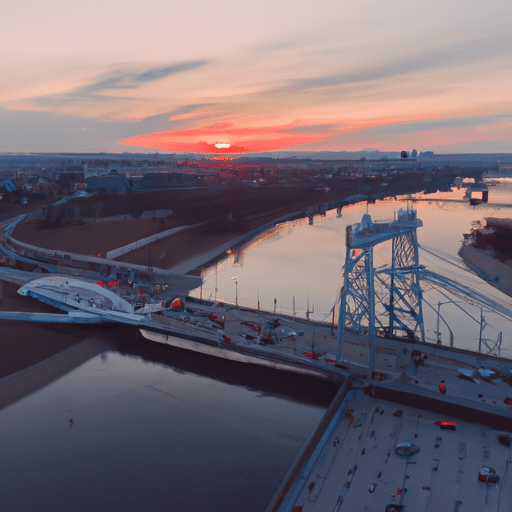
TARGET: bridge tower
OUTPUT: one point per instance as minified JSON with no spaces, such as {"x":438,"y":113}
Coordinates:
{"x":385,"y":301}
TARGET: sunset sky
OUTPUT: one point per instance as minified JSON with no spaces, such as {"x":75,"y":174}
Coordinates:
{"x":182,"y":76}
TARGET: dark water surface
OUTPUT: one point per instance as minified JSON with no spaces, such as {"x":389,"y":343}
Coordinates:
{"x":156,"y":429}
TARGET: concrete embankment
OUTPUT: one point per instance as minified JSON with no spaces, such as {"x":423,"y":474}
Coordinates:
{"x":115,"y":253}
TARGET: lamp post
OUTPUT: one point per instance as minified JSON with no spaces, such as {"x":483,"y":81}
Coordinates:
{"x":234,"y":278}
{"x":480,"y":322}
{"x":438,"y":332}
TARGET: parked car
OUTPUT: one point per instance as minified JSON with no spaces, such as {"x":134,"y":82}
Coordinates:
{"x":406,"y":449}
{"x":487,"y":474}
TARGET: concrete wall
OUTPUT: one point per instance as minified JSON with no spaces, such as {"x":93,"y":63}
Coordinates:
{"x":142,"y":242}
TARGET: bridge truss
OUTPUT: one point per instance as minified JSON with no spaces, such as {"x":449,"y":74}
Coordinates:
{"x":388,"y":301}
{"x":385,"y":301}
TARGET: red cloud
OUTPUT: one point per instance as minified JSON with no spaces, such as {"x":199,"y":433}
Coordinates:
{"x":253,"y":139}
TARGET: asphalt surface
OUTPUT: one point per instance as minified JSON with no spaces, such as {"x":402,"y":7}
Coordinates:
{"x":359,"y":470}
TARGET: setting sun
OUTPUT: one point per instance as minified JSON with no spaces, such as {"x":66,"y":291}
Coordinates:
{"x":222,"y":145}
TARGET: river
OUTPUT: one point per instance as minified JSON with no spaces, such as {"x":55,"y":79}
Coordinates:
{"x":146,"y":427}
{"x":298,"y":267}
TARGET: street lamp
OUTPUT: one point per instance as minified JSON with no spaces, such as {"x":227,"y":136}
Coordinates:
{"x":481,"y":322}
{"x":236,"y":289}
{"x":438,"y":332}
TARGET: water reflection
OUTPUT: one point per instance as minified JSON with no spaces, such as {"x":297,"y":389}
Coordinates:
{"x":302,"y":271}
{"x":155,"y":429}
{"x":262,"y":380}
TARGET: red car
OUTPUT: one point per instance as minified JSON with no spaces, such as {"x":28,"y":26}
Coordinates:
{"x":487,"y":474}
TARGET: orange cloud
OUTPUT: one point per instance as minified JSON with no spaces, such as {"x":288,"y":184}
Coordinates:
{"x":241,"y":139}
{"x":387,"y":133}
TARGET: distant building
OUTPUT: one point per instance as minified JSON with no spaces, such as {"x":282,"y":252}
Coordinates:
{"x":158,"y":180}
{"x":110,"y":184}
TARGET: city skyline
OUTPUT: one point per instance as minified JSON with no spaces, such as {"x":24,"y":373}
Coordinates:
{"x":241,"y":78}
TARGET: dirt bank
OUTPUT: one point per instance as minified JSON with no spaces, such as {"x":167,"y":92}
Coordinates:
{"x":90,"y":239}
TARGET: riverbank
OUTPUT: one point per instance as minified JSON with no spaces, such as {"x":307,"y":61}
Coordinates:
{"x":24,"y":345}
{"x":183,"y":252}
{"x":214,"y":221}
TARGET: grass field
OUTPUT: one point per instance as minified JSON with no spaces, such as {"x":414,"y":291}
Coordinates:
{"x":90,"y":239}
{"x":101,"y":237}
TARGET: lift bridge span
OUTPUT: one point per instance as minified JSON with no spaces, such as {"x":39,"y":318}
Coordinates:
{"x":388,"y":301}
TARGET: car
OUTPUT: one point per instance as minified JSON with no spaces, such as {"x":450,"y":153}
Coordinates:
{"x":446,"y":425}
{"x":489,"y":475}
{"x":505,"y":439}
{"x":406,"y":449}
{"x":372,"y":488}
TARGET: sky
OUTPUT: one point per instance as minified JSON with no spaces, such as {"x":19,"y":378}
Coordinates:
{"x":241,"y":77}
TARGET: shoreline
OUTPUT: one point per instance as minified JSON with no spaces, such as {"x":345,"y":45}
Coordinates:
{"x":196,"y":262}
{"x":25,"y":345}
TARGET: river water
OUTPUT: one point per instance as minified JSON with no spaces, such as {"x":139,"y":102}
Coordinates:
{"x":146,"y":427}
{"x":298,"y":267}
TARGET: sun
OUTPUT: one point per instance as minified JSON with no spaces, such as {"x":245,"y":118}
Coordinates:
{"x":222,"y":145}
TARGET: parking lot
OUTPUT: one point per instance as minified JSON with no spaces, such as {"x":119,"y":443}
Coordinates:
{"x":358,"y":468}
